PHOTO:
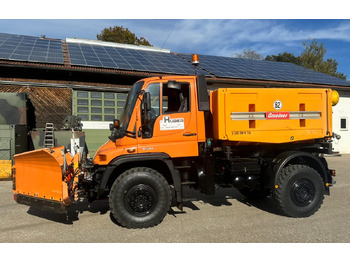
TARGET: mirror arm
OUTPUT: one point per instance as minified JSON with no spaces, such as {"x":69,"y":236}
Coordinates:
{"x":130,"y":134}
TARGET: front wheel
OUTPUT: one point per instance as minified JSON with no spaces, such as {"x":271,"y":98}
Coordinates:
{"x":299,"y":192}
{"x":140,"y":198}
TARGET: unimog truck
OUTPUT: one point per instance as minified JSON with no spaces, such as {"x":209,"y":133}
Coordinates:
{"x":173,"y":133}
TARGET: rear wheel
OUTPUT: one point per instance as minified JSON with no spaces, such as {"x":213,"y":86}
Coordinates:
{"x":140,"y":198}
{"x":299,"y":192}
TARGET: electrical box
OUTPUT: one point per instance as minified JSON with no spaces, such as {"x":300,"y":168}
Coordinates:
{"x":13,"y":140}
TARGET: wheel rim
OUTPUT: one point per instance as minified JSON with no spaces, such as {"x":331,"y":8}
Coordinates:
{"x":303,"y":192}
{"x":140,"y":200}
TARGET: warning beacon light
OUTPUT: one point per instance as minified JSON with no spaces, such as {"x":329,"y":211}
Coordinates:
{"x":335,"y":97}
{"x":195,"y":60}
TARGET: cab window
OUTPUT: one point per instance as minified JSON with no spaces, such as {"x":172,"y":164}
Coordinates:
{"x":175,"y":101}
{"x":154,"y":91}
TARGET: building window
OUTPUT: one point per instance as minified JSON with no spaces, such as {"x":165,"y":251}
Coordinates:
{"x":109,"y":103}
{"x":97,"y":110}
{"x":82,"y":94}
{"x":109,"y":96}
{"x":98,"y":106}
{"x":344,"y":123}
{"x":96,"y":95}
{"x":82,"y":102}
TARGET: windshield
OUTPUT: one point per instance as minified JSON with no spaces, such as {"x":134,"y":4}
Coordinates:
{"x":129,"y":105}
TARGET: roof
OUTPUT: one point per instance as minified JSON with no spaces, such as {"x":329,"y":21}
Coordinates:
{"x":29,"y":48}
{"x":239,"y":68}
{"x":94,"y":54}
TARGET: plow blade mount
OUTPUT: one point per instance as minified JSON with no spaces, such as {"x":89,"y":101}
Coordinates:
{"x":37,"y":179}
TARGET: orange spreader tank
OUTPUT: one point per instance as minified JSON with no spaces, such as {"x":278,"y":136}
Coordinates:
{"x":271,"y":115}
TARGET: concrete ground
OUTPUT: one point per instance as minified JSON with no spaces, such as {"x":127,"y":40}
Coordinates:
{"x":226,"y":217}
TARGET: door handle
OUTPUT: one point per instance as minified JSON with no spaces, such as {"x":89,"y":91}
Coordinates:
{"x":189,"y":134}
{"x":131,"y":150}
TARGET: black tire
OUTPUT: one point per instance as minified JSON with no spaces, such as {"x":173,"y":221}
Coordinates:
{"x":140,"y":198}
{"x":299,"y":192}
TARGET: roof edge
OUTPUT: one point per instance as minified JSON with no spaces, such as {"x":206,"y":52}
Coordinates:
{"x":274,"y":83}
{"x":112,"y":44}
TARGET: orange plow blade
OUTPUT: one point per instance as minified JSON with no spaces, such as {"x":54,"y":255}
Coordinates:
{"x":38,"y":179}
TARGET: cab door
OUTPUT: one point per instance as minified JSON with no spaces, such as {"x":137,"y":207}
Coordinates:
{"x":172,"y":128}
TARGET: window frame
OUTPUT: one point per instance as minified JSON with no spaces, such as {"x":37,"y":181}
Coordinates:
{"x":346,"y":123}
{"x":163,"y":112}
{"x":84,"y":99}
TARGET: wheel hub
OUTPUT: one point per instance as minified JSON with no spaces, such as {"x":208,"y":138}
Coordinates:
{"x":140,"y":199}
{"x":302,"y":193}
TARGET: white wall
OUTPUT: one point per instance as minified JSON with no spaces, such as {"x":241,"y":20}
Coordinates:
{"x":342,"y":110}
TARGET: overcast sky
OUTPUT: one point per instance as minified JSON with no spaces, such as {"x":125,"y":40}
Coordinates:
{"x":203,"y":36}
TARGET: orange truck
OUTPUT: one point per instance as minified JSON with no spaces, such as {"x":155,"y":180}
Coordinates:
{"x":174,"y":133}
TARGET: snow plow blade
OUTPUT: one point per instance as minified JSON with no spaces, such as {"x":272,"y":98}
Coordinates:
{"x":38,"y":179}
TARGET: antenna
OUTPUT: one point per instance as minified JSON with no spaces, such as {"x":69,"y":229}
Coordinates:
{"x":168,"y":35}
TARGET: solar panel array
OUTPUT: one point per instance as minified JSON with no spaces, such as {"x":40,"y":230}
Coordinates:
{"x":128,"y":59}
{"x":263,"y":70}
{"x":35,"y":49}
{"x":31,"y":49}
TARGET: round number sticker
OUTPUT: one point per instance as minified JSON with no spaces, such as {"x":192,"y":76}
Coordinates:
{"x":277,"y":105}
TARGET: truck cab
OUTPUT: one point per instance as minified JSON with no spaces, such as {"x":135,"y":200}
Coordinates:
{"x":160,"y":116}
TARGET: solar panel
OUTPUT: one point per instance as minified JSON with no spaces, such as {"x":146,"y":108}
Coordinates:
{"x":128,"y":59}
{"x":35,"y":49}
{"x":263,"y":70}
{"x":30,"y":49}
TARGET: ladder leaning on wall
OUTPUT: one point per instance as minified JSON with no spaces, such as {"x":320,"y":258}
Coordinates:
{"x":49,"y":138}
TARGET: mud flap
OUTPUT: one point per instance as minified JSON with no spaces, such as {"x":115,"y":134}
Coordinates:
{"x":37,"y":179}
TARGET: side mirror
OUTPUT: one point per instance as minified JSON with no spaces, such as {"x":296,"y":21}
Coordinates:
{"x":146,"y":118}
{"x":147,"y":101}
{"x":116,"y":124}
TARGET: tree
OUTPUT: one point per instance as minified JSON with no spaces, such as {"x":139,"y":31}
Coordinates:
{"x":331,"y":66}
{"x":119,"y":34}
{"x":285,"y":57}
{"x":249,"y":54}
{"x":313,"y":57}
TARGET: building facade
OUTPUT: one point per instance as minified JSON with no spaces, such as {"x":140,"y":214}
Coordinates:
{"x":90,"y":79}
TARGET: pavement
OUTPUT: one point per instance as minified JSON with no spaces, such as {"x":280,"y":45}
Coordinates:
{"x":226,"y":217}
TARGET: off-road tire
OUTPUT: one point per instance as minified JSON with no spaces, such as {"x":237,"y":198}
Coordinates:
{"x":300,"y":191}
{"x":140,"y":198}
